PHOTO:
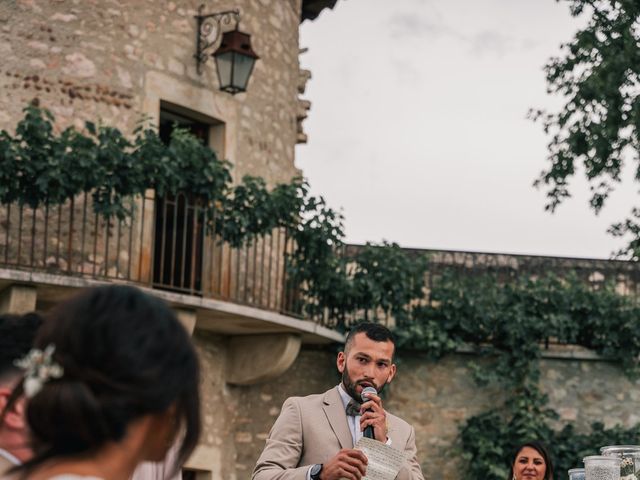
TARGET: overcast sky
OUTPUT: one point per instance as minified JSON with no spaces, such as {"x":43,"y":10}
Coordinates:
{"x":418,"y":127}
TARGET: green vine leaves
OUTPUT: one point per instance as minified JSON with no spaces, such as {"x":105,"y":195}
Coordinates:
{"x":504,"y":321}
{"x":509,"y":322}
{"x":596,"y":130}
{"x":38,"y":167}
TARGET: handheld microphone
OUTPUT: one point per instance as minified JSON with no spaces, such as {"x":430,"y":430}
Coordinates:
{"x":368,"y":430}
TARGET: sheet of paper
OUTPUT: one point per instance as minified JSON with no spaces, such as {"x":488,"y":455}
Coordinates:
{"x":384,"y":461}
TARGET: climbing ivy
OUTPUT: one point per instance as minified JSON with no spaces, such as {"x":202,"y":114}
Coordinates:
{"x":512,"y":321}
{"x":488,"y":439}
{"x":41,"y":167}
{"x":506,"y":323}
{"x":509,"y":323}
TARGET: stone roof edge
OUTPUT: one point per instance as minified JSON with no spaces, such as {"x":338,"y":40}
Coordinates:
{"x":312,"y":8}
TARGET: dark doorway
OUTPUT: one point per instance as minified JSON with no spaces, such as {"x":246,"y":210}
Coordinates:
{"x":189,"y":474}
{"x":179,"y":227}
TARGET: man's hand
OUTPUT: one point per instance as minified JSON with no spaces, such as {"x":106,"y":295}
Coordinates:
{"x":348,"y":464}
{"x":373,"y":414}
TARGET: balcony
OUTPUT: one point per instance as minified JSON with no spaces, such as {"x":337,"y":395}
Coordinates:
{"x":165,"y":246}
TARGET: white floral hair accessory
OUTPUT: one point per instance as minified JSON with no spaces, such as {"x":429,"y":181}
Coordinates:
{"x":39,"y":368}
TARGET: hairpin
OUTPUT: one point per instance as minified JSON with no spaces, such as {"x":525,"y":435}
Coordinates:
{"x":39,"y":367}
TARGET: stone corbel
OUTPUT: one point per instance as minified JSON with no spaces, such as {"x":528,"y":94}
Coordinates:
{"x":253,"y":359}
{"x":18,"y":299}
{"x":303,"y":77}
{"x":303,"y":110}
{"x":187,"y":318}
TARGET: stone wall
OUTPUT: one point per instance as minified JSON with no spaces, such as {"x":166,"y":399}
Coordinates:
{"x":219,"y":406}
{"x":116,"y":60}
{"x":436,"y":397}
{"x":311,"y":373}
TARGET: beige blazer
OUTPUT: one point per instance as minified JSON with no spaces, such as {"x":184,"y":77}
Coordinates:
{"x":5,"y":466}
{"x":313,"y":429}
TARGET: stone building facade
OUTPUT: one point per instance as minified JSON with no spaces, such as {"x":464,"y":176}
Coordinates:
{"x":116,"y":61}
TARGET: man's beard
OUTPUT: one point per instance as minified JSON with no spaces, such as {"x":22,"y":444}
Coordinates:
{"x":350,"y":386}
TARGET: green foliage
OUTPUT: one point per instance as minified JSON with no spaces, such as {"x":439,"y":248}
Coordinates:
{"x":629,"y":228}
{"x":508,"y":323}
{"x":379,"y":280}
{"x":388,"y":278}
{"x":40,"y":167}
{"x":597,"y":126}
{"x":505,"y":322}
{"x":314,"y":265}
{"x":488,"y":439}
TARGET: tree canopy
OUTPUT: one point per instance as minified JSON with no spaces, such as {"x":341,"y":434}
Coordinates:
{"x":598,"y":125}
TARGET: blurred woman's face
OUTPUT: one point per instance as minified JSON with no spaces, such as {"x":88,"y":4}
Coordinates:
{"x":529,"y":465}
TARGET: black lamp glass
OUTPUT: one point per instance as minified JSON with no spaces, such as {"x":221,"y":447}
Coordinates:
{"x":234,"y":61}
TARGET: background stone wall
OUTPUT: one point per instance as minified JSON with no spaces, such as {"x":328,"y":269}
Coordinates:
{"x":101,"y":59}
{"x":436,"y":398}
{"x":219,"y":405}
{"x":117,"y":61}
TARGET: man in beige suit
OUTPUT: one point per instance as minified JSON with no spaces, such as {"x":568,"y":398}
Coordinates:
{"x":16,"y":337}
{"x":314,"y":436}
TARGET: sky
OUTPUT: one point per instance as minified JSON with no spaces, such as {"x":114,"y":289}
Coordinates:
{"x":418,"y":129}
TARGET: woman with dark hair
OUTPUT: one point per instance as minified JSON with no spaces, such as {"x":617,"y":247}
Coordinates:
{"x":112,"y":382}
{"x":531,"y":461}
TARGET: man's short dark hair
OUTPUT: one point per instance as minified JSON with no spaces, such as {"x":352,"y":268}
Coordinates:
{"x":17,"y":333}
{"x":373,"y":331}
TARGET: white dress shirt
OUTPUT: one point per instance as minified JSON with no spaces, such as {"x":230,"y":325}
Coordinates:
{"x":11,"y":458}
{"x":352,"y":421}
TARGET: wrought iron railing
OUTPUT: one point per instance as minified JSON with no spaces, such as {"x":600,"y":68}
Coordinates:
{"x":165,"y":244}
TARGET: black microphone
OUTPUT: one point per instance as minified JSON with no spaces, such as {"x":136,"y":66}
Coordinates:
{"x":368,"y":430}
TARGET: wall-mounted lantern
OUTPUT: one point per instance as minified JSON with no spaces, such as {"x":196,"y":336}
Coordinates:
{"x":234,"y":56}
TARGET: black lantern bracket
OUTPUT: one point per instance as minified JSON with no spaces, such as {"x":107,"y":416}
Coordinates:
{"x":210,"y":28}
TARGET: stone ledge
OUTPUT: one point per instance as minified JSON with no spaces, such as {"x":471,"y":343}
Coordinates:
{"x":225,"y":318}
{"x":18,"y":299}
{"x":556,"y":351}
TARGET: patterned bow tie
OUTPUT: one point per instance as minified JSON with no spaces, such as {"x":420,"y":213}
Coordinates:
{"x":353,"y":408}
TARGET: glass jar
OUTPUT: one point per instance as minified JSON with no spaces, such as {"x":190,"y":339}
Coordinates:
{"x":576,"y":474}
{"x":630,"y":459}
{"x":599,"y":467}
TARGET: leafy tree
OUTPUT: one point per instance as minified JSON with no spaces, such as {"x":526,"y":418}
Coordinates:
{"x":599,"y":123}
